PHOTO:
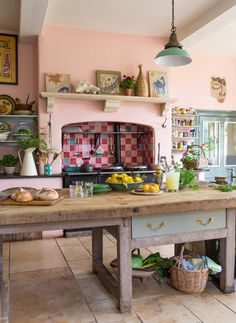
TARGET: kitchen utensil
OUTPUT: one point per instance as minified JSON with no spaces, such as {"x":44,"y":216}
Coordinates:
{"x":86,"y":167}
{"x":99,"y":150}
{"x":91,"y":144}
{"x":111,"y":146}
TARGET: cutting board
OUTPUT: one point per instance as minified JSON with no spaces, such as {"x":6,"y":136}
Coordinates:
{"x":9,"y":201}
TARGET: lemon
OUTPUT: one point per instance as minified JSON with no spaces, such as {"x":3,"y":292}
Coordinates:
{"x":159,"y":171}
{"x":151,"y":189}
{"x":114,"y":180}
{"x":156,"y":187}
{"x":125,"y":179}
{"x":115,"y":175}
{"x":130,"y":180}
{"x":109,"y":179}
{"x":146,"y":187}
{"x":138,"y":179}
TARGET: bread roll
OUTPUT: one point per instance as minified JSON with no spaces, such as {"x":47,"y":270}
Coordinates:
{"x":46,"y":194}
{"x":21,"y":195}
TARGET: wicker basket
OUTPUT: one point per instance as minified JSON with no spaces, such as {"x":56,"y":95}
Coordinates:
{"x":196,"y":164}
{"x":186,"y":280}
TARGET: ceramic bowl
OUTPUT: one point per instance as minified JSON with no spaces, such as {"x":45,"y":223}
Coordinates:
{"x":4,"y":135}
{"x":124,"y":187}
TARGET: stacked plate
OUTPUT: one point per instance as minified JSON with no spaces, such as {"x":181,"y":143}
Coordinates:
{"x":100,"y":188}
{"x":5,"y":131}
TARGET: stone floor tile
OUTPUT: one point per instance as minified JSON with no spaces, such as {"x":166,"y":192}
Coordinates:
{"x":35,"y":255}
{"x":67,"y":241}
{"x":48,"y":296}
{"x":206,"y":307}
{"x":228,"y":300}
{"x":163,"y":309}
{"x":92,"y":289}
{"x":74,"y":253}
{"x":81,"y":269}
{"x":149,"y":287}
{"x":105,"y":311}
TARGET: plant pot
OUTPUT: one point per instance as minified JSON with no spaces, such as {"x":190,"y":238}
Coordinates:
{"x":128,"y":92}
{"x":9,"y":170}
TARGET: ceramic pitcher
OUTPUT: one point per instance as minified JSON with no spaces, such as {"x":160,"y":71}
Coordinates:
{"x":28,"y":167}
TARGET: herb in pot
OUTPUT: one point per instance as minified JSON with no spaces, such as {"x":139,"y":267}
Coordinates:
{"x":187,"y":179}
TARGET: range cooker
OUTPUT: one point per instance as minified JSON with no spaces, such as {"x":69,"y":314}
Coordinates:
{"x":99,"y":176}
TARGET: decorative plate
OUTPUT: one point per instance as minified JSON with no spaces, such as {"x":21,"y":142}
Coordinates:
{"x":145,"y":193}
{"x":4,"y":127}
{"x":22,"y":129}
{"x":7,"y":104}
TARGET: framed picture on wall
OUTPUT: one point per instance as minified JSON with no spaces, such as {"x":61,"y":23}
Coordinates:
{"x":56,"y":82}
{"x":158,"y":84}
{"x":8,"y":59}
{"x":108,"y":81}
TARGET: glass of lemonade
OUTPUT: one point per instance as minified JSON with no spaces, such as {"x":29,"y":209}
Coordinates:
{"x":172,"y":181}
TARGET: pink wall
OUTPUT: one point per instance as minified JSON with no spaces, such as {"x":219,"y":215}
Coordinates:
{"x":27,"y":74}
{"x":81,"y":52}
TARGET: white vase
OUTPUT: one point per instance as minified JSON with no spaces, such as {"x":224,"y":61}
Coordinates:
{"x":28,"y":167}
{"x":9,"y":170}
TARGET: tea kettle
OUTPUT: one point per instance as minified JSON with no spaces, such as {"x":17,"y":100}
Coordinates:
{"x":86,"y":167}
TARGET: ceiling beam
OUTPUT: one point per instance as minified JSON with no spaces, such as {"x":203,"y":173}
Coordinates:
{"x":223,"y":13}
{"x":32,"y":15}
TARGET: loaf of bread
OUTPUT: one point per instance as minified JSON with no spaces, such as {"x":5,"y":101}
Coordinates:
{"x":21,"y":195}
{"x":46,"y":194}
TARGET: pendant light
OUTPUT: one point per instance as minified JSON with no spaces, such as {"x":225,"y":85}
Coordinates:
{"x":173,"y":54}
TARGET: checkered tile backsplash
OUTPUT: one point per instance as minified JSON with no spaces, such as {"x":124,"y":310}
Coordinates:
{"x":135,"y":148}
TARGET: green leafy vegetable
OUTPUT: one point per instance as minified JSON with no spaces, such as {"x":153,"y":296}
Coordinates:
{"x":159,"y":264}
{"x":225,"y":188}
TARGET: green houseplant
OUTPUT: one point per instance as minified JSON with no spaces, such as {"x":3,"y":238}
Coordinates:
{"x":128,"y":84}
{"x":9,"y":162}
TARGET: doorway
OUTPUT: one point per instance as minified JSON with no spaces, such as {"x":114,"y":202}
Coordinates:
{"x":218,"y":131}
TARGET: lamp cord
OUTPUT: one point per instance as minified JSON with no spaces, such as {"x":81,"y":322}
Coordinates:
{"x":173,"y":28}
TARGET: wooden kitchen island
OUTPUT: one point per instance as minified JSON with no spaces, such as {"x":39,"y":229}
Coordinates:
{"x":136,"y":221}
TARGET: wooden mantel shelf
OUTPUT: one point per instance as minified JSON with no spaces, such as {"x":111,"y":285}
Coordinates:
{"x":112,"y":102}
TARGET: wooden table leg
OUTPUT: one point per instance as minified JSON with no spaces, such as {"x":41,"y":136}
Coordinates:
{"x":97,"y":247}
{"x":227,"y":254}
{"x":124,"y":266}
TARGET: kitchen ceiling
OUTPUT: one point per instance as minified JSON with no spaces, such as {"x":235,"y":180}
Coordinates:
{"x":207,"y":26}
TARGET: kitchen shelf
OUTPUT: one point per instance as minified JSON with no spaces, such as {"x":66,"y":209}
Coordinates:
{"x":18,"y":116}
{"x":111,"y":102}
{"x":183,"y":116}
{"x":183,"y":138}
{"x":9,"y":142}
{"x":108,"y":132}
{"x":183,"y":127}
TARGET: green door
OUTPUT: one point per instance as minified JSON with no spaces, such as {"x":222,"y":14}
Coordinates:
{"x":218,"y":131}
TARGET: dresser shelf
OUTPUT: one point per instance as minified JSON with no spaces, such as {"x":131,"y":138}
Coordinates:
{"x":111,"y":102}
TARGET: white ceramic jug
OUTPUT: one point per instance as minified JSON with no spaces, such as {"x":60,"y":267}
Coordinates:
{"x":28,"y":167}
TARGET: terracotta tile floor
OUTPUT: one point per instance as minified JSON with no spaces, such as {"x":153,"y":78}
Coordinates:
{"x":51,"y":282}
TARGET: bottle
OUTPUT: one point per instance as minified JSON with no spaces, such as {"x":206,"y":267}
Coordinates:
{"x":6,"y":67}
{"x":141,"y":84}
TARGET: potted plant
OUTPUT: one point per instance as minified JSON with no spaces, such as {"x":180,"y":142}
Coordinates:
{"x":128,"y":84}
{"x":9,"y":162}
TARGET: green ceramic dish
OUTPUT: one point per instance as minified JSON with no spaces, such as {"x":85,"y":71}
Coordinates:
{"x":100,"y":188}
{"x":124,"y":187}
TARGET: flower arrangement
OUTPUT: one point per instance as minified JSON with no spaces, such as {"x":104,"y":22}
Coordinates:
{"x":128,"y":82}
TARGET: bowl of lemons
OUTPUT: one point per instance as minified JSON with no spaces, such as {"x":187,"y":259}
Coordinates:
{"x":124,"y":182}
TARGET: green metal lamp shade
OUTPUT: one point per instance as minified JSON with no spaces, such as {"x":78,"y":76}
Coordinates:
{"x":173,"y":56}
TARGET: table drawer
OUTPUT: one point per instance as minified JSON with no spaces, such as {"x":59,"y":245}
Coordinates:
{"x":157,"y":225}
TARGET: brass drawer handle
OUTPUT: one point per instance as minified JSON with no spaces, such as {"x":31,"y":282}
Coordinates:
{"x":200,"y":221}
{"x":154,"y":228}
